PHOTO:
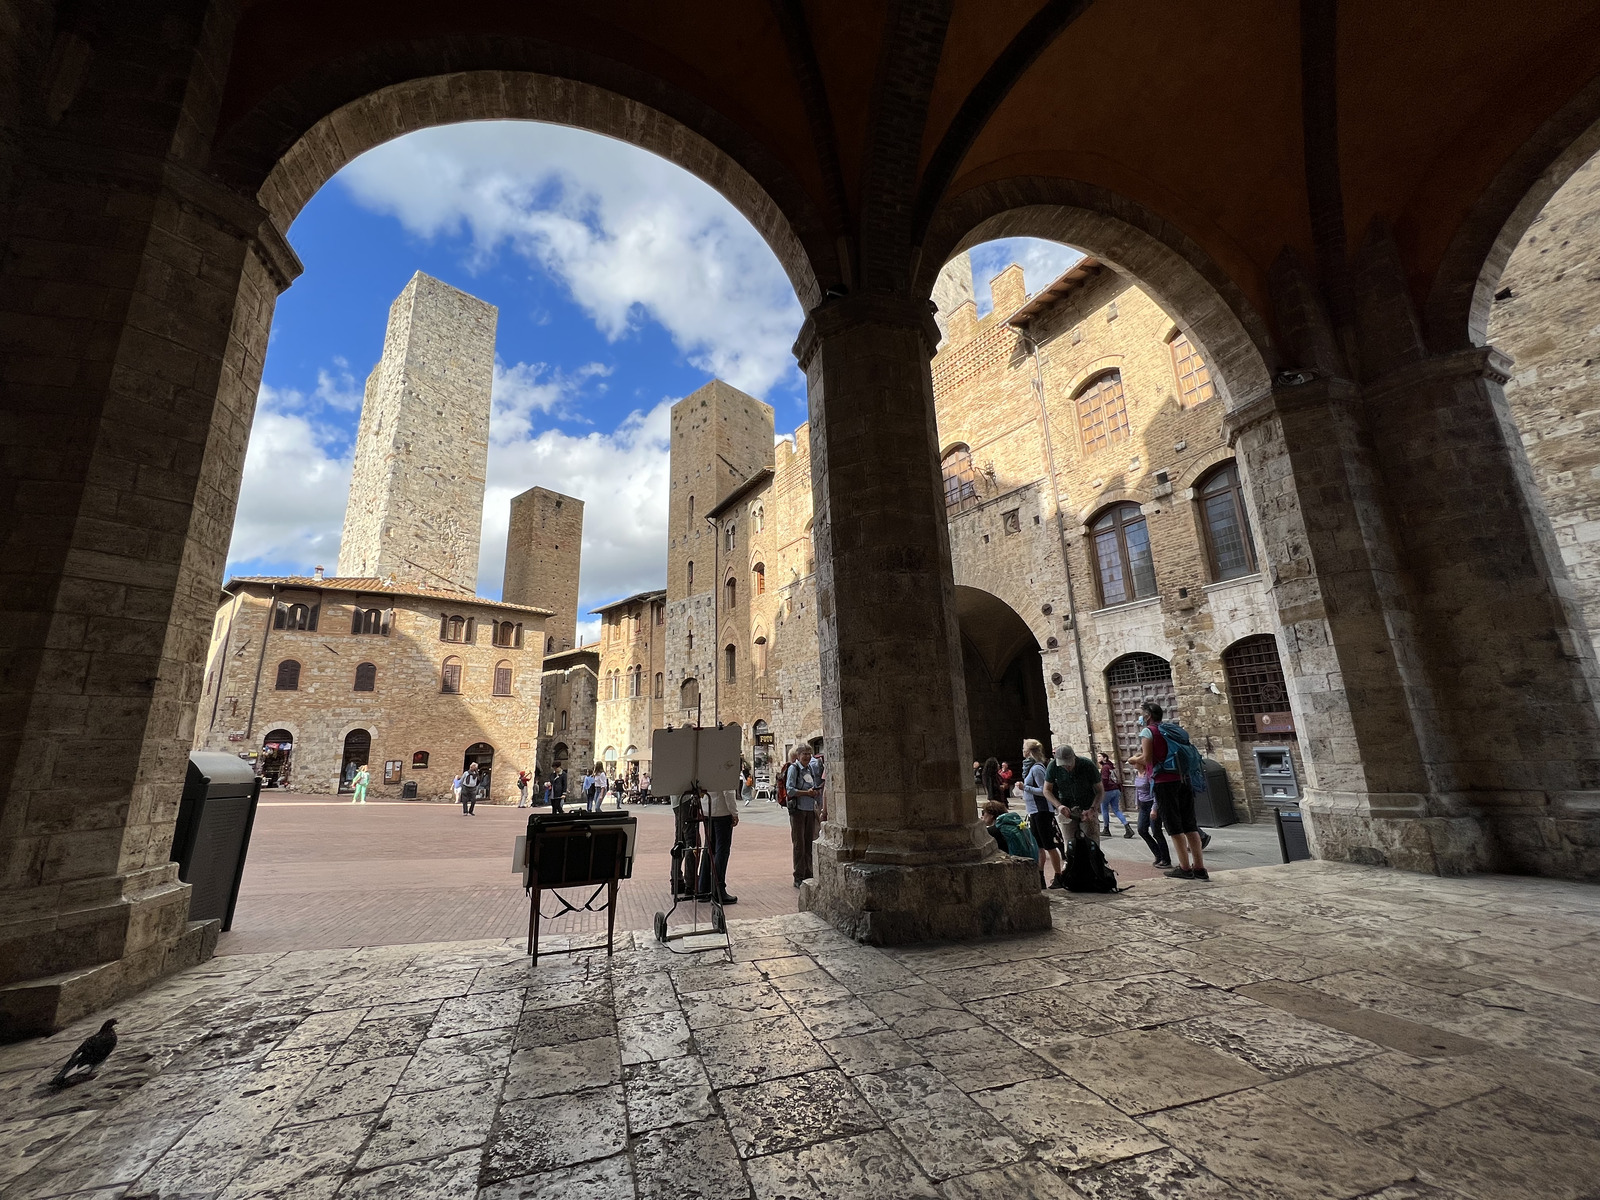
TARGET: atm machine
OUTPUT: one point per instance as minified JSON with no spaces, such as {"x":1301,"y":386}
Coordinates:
{"x":1276,"y":775}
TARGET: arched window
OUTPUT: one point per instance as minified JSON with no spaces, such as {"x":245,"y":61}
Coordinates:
{"x":1102,"y":412}
{"x":759,"y":517}
{"x":450,"y":676}
{"x":1194,"y":377}
{"x":689,"y":693}
{"x":563,"y":720}
{"x":729,"y":662}
{"x":288,"y":676}
{"x":452,"y":629}
{"x":366,"y":620}
{"x":550,"y":645}
{"x":502,"y":678}
{"x":760,"y":655}
{"x":296,"y":616}
{"x":960,"y":485}
{"x":1122,"y":555}
{"x":730,"y":537}
{"x":636,"y":681}
{"x":1255,"y":686}
{"x":610,"y":758}
{"x":660,"y":682}
{"x":505,"y":634}
{"x":419,"y":761}
{"x":730,"y":594}
{"x":691,"y":572}
{"x":759,"y":580}
{"x":1230,"y":551}
{"x":366,"y":677}
{"x":691,"y":639}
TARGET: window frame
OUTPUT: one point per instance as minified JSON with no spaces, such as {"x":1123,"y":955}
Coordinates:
{"x":1241,"y":512}
{"x":961,"y":481}
{"x":503,"y":667}
{"x":1116,"y":427}
{"x":450,"y":676}
{"x":1192,"y":354}
{"x":1120,"y":521}
{"x":759,"y":579}
{"x":294,"y":674}
{"x":372,"y":677}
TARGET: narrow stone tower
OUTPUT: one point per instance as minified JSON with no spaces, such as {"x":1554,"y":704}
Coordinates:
{"x":543,"y":546}
{"x":416,"y":494}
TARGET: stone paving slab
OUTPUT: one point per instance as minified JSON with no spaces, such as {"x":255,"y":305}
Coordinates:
{"x":1304,"y":1032}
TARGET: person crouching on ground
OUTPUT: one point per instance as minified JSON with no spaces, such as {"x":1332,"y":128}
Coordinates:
{"x":1073,"y":782}
{"x":1174,"y":798}
{"x":1041,"y":814}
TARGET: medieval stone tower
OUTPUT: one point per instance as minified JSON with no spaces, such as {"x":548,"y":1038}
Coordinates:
{"x":720,"y":438}
{"x":422,"y":449}
{"x":543,"y":545}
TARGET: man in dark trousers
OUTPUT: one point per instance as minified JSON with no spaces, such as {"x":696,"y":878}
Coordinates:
{"x":807,"y":810}
{"x":558,"y":788}
{"x":1174,"y":798}
{"x":469,"y":789}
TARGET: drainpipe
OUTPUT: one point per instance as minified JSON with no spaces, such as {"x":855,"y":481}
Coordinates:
{"x":1061,"y":537}
{"x":250,"y":723}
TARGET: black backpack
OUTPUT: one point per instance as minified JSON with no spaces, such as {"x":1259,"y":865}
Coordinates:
{"x":1087,"y":870}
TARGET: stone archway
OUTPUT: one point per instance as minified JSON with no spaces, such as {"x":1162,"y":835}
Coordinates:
{"x":1004,"y":676}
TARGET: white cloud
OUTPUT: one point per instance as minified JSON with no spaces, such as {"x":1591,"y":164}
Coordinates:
{"x":292,"y":499}
{"x":622,"y":479}
{"x":632,"y":237}
{"x":1041,"y":261}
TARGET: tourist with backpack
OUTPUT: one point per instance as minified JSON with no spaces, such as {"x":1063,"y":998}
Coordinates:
{"x":1175,"y":768}
{"x":1008,"y":831}
{"x":1074,"y":782}
{"x":1111,"y":800}
{"x":1041,"y":813}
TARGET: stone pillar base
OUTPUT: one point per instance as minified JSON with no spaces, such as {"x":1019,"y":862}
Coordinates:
{"x":97,"y":955}
{"x":894,"y":905}
{"x":1396,"y":831}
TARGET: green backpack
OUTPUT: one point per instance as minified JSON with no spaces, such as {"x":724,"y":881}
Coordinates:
{"x":1016,"y":835}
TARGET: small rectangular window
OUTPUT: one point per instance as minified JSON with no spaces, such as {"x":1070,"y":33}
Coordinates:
{"x":502,"y":681}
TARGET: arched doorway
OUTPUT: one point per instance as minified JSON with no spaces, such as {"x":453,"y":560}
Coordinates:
{"x":1130,"y":681}
{"x":357,"y":750}
{"x":1006,"y":699}
{"x":277,"y":751}
{"x":483,"y":754}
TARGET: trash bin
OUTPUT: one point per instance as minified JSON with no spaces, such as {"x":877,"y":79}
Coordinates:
{"x":408,"y":790}
{"x":1214,"y":808}
{"x":209,"y":844}
{"x":1292,"y":840}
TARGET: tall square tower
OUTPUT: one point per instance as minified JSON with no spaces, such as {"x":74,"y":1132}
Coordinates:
{"x":543,"y":545}
{"x":422,"y":449}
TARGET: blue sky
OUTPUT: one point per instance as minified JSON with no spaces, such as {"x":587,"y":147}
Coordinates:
{"x":623,"y":284}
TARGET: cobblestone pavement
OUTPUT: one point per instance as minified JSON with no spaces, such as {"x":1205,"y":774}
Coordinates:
{"x":323,"y":873}
{"x":1298,"y":1031}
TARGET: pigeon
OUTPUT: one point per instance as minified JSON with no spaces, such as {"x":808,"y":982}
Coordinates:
{"x":93,"y":1051}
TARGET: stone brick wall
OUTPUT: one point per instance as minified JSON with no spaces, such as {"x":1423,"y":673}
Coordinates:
{"x":544,"y":547}
{"x":633,"y":633}
{"x":567,"y":717}
{"x":405,"y":713}
{"x":422,"y":449}
{"x":1546,"y":316}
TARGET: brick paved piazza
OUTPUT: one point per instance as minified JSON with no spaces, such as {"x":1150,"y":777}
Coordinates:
{"x":1297,"y":1031}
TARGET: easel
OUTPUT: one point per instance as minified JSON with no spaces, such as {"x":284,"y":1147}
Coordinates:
{"x":576,"y":850}
{"x":689,"y":763}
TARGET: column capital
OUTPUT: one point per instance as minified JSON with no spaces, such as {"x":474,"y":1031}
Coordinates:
{"x":840,"y":313}
{"x":1473,"y":362}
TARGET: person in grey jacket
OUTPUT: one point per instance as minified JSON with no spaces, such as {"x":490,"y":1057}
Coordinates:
{"x":807,"y":810}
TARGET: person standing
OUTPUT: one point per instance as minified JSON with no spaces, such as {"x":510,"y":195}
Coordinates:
{"x":1149,"y":824}
{"x":602,"y":786}
{"x":469,"y":790}
{"x":523,"y":780}
{"x":558,"y":788}
{"x":992,"y":787}
{"x":1073,"y":782}
{"x":807,"y":810}
{"x":455,"y":788}
{"x":1111,"y":799}
{"x":1007,"y":778}
{"x":1041,"y":814}
{"x":722,"y":814}
{"x":587,"y":785}
{"x":1174,"y":797}
{"x":363,"y":777}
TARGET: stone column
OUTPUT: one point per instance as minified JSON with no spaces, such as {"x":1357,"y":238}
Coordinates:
{"x":135,"y":300}
{"x":902,"y":856}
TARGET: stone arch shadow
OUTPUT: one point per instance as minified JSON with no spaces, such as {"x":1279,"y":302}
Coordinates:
{"x":1004,"y":674}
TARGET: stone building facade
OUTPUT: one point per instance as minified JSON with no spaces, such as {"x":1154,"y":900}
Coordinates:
{"x":567,"y":712}
{"x":633,"y":664}
{"x":544,"y":548}
{"x":414,"y":682}
{"x":422,"y":448}
{"x":1546,"y":318}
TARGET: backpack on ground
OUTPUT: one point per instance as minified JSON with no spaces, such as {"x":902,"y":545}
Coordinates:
{"x":1086,"y":869}
{"x":1018,"y":838}
{"x":1183,"y":758}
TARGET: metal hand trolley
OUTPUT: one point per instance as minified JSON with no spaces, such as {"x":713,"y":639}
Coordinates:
{"x":688,"y":763}
{"x":688,"y":853}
